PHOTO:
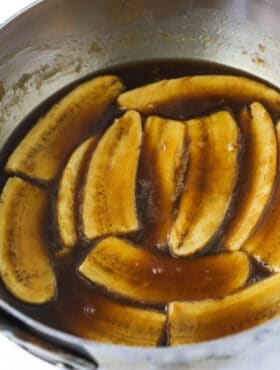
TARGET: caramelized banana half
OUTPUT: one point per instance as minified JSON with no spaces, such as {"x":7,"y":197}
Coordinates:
{"x":190,"y":322}
{"x":260,"y":168}
{"x":44,"y":150}
{"x":264,"y":243}
{"x":138,"y":275}
{"x":164,"y":149}
{"x":109,"y":204}
{"x":70,"y":182}
{"x":121,"y":324}
{"x":211,"y":178}
{"x":152,"y":98}
{"x":24,"y":264}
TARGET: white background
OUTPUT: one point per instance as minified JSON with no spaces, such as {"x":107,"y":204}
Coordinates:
{"x":12,"y":357}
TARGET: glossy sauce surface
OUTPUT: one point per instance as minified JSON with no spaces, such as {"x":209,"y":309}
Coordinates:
{"x":78,"y":302}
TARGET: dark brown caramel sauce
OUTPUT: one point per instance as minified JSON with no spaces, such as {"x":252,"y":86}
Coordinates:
{"x":78,"y":300}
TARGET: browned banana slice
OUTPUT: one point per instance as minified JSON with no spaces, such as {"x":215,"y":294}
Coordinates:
{"x":117,"y":323}
{"x":24,"y":265}
{"x":211,"y":178}
{"x":190,"y":322}
{"x":260,"y":162}
{"x":67,"y":192}
{"x":164,"y":150}
{"x":44,"y":150}
{"x":152,"y":98}
{"x":141,"y":276}
{"x":109,"y":204}
{"x":264,"y":243}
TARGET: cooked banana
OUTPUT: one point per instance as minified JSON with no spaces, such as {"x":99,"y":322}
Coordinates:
{"x":164,"y":148}
{"x":117,"y":323}
{"x":24,"y":265}
{"x":211,"y":178}
{"x":44,"y":150}
{"x":67,"y":192}
{"x":260,"y":164}
{"x":265,"y":241}
{"x":109,"y":204}
{"x":141,"y":276}
{"x":152,"y":98}
{"x":190,"y":322}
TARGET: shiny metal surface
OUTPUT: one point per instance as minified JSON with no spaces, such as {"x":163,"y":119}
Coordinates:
{"x":41,"y":348}
{"x":57,"y":41}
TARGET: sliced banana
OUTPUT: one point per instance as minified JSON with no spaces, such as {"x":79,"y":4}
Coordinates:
{"x":211,"y":178}
{"x":150,"y":99}
{"x":164,"y":148}
{"x":265,"y":241}
{"x":134,"y":273}
{"x":24,"y":264}
{"x":260,"y":168}
{"x":117,"y":323}
{"x":109,"y":204}
{"x":67,"y":193}
{"x":190,"y":322}
{"x":44,"y":150}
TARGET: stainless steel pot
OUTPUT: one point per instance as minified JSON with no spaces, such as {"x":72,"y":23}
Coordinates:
{"x":57,"y":41}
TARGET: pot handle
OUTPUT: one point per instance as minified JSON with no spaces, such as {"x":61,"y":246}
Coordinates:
{"x":42,"y":349}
